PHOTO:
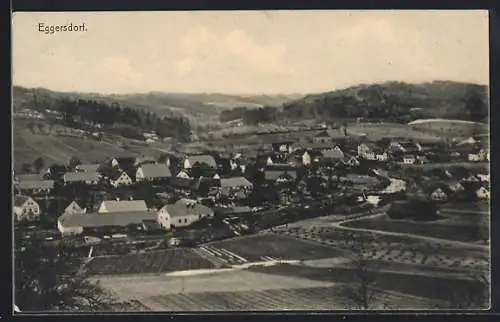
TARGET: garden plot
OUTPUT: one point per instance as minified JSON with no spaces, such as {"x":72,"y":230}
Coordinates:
{"x":268,"y":247}
{"x":396,"y":249}
{"x":151,"y":262}
{"x":450,"y":231}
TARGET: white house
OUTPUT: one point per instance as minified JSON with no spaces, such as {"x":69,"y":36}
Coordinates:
{"x":182,"y":213}
{"x":477,"y":156}
{"x":74,"y":208}
{"x":120,"y":179}
{"x":409,"y":159}
{"x":365,"y":150}
{"x":25,"y":208}
{"x":483,"y":193}
{"x":439,"y":195}
{"x":306,"y":159}
{"x":122,"y":206}
{"x":269,"y":161}
{"x":353,"y":162}
{"x":382,"y":156}
{"x":183,"y":174}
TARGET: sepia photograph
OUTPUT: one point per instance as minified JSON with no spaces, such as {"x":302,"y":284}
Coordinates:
{"x":235,"y":161}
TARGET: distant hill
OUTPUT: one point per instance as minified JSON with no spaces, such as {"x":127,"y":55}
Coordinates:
{"x":196,"y":107}
{"x":396,"y":101}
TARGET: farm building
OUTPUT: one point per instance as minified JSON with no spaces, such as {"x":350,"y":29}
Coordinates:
{"x":90,"y":178}
{"x":25,"y":208}
{"x":238,"y":186}
{"x":108,"y":206}
{"x":74,"y":208}
{"x":118,"y":179}
{"x":113,"y":222}
{"x":208,"y":160}
{"x":87,"y":168}
{"x":151,"y":172}
{"x":34,"y":187}
{"x":183,"y":213}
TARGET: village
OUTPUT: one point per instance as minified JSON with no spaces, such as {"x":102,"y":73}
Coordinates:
{"x":242,"y":191}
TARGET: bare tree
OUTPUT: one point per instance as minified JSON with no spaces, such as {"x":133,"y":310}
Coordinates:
{"x":362,"y":292}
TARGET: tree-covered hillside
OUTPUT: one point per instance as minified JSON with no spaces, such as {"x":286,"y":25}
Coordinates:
{"x":392,"y":101}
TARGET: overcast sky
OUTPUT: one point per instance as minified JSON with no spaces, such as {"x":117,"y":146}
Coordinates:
{"x":248,"y":52}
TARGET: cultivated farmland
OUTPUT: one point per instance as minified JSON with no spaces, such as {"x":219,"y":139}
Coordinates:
{"x":149,"y":262}
{"x":256,"y":248}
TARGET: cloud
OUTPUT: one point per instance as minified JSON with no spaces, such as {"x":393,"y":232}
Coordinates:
{"x":119,"y":72}
{"x":205,"y":51}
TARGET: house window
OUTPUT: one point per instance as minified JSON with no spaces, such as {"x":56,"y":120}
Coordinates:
{"x":185,"y":220}
{"x":180,"y":221}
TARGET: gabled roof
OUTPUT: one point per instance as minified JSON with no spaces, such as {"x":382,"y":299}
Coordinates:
{"x":187,"y":207}
{"x":88,"y":167}
{"x":81,"y":176}
{"x":333,"y":154}
{"x":235,"y":182}
{"x":29,"y":177}
{"x":31,"y":185}
{"x":155,"y":170}
{"x":125,"y":205}
{"x":207,"y":159}
{"x":106,"y":219}
{"x":143,"y":160}
{"x":19,"y":200}
{"x":117,"y":174}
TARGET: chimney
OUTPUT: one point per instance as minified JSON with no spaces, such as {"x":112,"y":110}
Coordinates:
{"x":131,"y":198}
{"x":117,"y":199}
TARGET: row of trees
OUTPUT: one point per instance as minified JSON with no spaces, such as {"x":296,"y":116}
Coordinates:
{"x":79,"y":112}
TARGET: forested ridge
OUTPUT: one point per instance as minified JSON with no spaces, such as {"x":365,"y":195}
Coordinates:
{"x":392,"y":101}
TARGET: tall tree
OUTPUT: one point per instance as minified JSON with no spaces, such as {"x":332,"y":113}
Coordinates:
{"x":46,"y":279}
{"x":38,"y":164}
{"x":363,"y":292}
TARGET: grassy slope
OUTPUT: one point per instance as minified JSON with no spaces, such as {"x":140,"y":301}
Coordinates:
{"x":59,"y":149}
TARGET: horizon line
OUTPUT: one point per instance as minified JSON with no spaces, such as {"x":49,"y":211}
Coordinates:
{"x":248,"y":93}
